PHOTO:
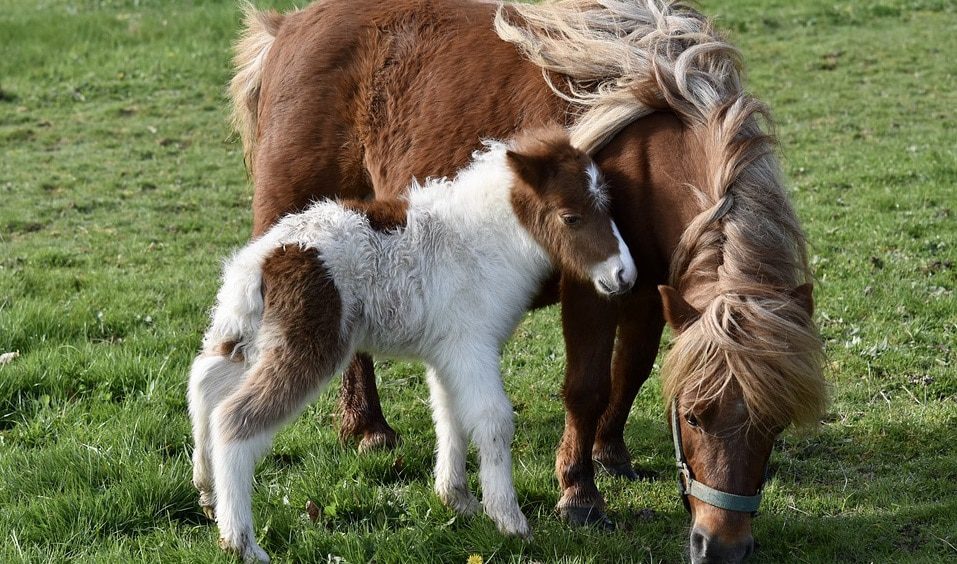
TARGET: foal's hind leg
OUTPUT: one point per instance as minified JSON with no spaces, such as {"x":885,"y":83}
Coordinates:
{"x":638,"y":337}
{"x":212,"y":378}
{"x":278,"y":387}
{"x":302,"y":348}
{"x":451,"y":482}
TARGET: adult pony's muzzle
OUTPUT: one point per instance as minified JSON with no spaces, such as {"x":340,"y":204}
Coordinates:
{"x":708,"y":549}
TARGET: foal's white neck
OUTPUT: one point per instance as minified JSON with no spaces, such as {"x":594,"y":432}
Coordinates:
{"x":477,"y":204}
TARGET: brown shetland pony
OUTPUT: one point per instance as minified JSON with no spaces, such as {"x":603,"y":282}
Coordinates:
{"x":352,"y":98}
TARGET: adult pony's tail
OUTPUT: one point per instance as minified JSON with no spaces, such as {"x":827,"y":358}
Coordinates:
{"x":250,"y":53}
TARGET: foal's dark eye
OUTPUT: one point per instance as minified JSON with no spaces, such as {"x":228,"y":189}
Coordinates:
{"x":692,"y":420}
{"x":571,"y":219}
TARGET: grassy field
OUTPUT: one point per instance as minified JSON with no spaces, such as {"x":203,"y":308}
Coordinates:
{"x":120,"y":189}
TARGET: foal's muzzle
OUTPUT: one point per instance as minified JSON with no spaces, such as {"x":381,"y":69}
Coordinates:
{"x":615,"y":276}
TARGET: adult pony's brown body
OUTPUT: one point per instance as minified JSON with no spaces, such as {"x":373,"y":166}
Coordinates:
{"x":353,"y":98}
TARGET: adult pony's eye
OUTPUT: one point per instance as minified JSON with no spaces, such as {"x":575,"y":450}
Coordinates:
{"x":692,"y":420}
{"x":571,"y":219}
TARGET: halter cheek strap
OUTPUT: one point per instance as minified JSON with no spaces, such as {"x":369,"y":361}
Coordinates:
{"x":688,"y":486}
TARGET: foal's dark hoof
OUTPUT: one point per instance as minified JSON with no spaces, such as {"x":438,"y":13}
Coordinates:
{"x":209,"y":512}
{"x":587,"y":516}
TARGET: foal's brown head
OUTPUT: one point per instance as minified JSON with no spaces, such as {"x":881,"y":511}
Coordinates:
{"x":560,"y":197}
{"x":741,"y":369}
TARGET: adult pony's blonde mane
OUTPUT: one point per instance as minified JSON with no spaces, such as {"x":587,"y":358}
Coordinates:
{"x":745,"y":250}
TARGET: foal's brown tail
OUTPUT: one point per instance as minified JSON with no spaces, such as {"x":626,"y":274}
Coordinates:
{"x":250,"y":53}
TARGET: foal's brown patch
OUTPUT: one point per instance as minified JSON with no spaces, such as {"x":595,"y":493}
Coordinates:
{"x":300,"y":340}
{"x":229,"y":349}
{"x":383,"y":215}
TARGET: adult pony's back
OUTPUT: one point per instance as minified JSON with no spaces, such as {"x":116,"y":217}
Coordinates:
{"x":354,"y":98}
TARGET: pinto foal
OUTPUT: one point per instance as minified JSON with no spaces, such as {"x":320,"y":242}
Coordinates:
{"x":443,"y":275}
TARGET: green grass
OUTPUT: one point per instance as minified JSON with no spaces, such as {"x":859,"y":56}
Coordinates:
{"x":121,"y":189}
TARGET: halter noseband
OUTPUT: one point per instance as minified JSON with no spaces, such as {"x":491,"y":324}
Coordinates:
{"x":688,"y":486}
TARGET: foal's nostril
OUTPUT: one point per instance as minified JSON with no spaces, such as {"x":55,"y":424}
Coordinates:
{"x":622,"y":277}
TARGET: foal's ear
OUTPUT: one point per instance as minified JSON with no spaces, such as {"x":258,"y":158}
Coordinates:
{"x":804,"y":296}
{"x":678,"y":313}
{"x":531,"y":169}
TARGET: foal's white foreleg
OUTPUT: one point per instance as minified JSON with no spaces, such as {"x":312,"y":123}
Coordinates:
{"x":211,"y":379}
{"x":451,"y":481}
{"x":486,"y":415}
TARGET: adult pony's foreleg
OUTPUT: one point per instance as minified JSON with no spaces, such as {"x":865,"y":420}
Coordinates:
{"x":360,"y":408}
{"x":639,"y":332}
{"x":588,"y":324}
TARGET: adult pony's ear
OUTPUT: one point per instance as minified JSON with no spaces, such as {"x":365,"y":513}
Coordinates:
{"x":678,"y":313}
{"x":804,"y":296}
{"x":530,"y":168}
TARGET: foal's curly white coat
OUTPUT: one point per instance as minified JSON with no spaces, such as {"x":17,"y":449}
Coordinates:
{"x":448,"y":288}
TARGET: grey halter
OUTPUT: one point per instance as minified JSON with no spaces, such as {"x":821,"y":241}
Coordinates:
{"x":688,"y":486}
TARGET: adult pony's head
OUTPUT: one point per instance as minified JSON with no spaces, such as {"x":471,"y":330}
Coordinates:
{"x":561,"y":199}
{"x":746,"y":358}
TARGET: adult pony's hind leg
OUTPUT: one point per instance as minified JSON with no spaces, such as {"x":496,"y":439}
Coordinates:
{"x":639,"y":333}
{"x":588,"y":325}
{"x":360,"y":408}
{"x":301,"y":159}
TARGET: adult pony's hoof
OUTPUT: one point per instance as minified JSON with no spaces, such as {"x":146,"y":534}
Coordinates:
{"x":586,"y":516}
{"x":384,"y":438}
{"x":625,"y":470}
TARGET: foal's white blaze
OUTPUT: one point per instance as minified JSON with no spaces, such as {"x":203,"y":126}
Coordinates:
{"x":596,"y":187}
{"x":617,"y":273}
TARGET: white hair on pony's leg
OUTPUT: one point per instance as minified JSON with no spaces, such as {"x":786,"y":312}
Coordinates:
{"x":212,"y":378}
{"x":451,"y":483}
{"x":234,"y":462}
{"x":472,"y":377}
